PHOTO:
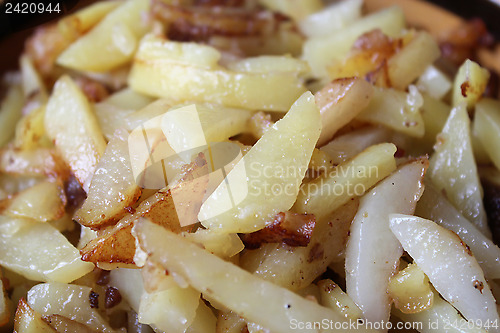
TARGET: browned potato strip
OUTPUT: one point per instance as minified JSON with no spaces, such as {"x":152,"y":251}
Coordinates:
{"x":43,"y":202}
{"x":113,"y":187}
{"x":289,"y":228}
{"x":117,"y":245}
{"x":339,"y":102}
{"x":29,"y":321}
{"x":64,"y":324}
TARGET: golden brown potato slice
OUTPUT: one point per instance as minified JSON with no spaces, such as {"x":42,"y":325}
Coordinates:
{"x":29,"y":321}
{"x":71,"y":123}
{"x":43,"y":202}
{"x":10,"y":113}
{"x":30,"y":131}
{"x":64,"y":324}
{"x":113,"y":187}
{"x":117,"y":245}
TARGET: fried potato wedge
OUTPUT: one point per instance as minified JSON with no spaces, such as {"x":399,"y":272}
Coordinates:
{"x":339,"y":102}
{"x":43,"y":202}
{"x":190,"y":72}
{"x":113,"y":187}
{"x":68,"y":300}
{"x":116,"y":36}
{"x":10,"y":113}
{"x":372,"y":253}
{"x":453,"y":169}
{"x":28,"y":320}
{"x":332,"y":296}
{"x":71,"y":123}
{"x":265,"y":303}
{"x":470,"y":83}
{"x":411,"y":290}
{"x":487,"y":128}
{"x":21,"y":243}
{"x":4,"y":307}
{"x":449,"y":264}
{"x":274,"y":152}
{"x":116,"y":243}
{"x":30,"y":131}
{"x":39,"y":162}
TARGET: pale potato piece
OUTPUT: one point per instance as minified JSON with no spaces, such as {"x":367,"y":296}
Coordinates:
{"x":453,"y":169}
{"x":449,"y":264}
{"x":346,"y":146}
{"x":434,"y":206}
{"x":291,"y":141}
{"x":111,"y":118}
{"x":322,"y":51}
{"x":339,"y":102}
{"x":116,"y":37}
{"x":441,"y":317}
{"x":487,"y":128}
{"x":372,"y":253}
{"x":412,"y":60}
{"x":350,"y":179}
{"x":470,"y":83}
{"x":411,"y":290}
{"x":10,"y":112}
{"x":229,"y":322}
{"x":204,"y":321}
{"x":397,"y":110}
{"x":269,"y":63}
{"x":297,"y":267}
{"x":128,"y":99}
{"x":33,"y":85}
{"x":189,"y":72}
{"x":68,"y":300}
{"x":434,"y":82}
{"x":30,"y":131}
{"x":222,"y":245}
{"x":33,"y":163}
{"x":171,"y":310}
{"x":332,"y":18}
{"x":434,"y":113}
{"x":71,"y":123}
{"x":264,"y":303}
{"x":77,"y":24}
{"x":130,"y":284}
{"x":43,"y":202}
{"x":39,"y":252}
{"x":333,"y":297}
{"x":296,"y":9}
{"x":64,"y":324}
{"x":4,"y":307}
{"x":113,"y":187}
{"x":29,"y":321}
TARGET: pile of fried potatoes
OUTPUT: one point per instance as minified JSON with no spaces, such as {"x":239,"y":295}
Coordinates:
{"x":350,"y":197}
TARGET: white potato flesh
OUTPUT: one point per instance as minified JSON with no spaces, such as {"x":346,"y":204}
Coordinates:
{"x":397,"y":110}
{"x":434,"y":113}
{"x":71,"y":123}
{"x":128,"y":99}
{"x":322,"y":51}
{"x":339,"y":102}
{"x":269,"y":63}
{"x":68,"y":300}
{"x":204,"y":321}
{"x":434,"y":83}
{"x":222,"y":245}
{"x":10,"y":113}
{"x":487,"y":128}
{"x":420,"y":52}
{"x":332,"y":18}
{"x":452,"y":168}
{"x":189,"y":72}
{"x":347,"y":180}
{"x":39,"y":252}
{"x":345,"y":147}
{"x":172,"y":310}
{"x":290,"y":141}
{"x":130,"y":284}
{"x":116,"y":37}
{"x":470,"y":83}
{"x":259,"y":301}
{"x":43,"y":202}
{"x":441,"y":317}
{"x":372,"y":253}
{"x":29,"y":321}
{"x":434,"y":206}
{"x":113,"y":187}
{"x":32,"y":82}
{"x":111,"y":118}
{"x":449,"y":264}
